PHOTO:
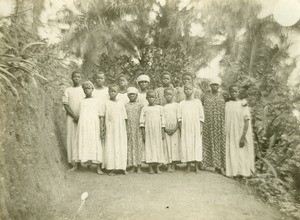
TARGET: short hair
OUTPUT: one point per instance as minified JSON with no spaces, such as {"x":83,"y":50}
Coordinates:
{"x":165,"y":73}
{"x":113,"y":86}
{"x":98,"y":73}
{"x":75,"y":71}
{"x":188,"y":74}
{"x":150,"y":92}
{"x":87,"y":84}
{"x":169,"y":89}
{"x":232,"y":86}
{"x":122,"y":76}
{"x":188,"y":84}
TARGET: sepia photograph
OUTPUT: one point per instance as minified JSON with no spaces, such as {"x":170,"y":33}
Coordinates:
{"x":149,"y":109}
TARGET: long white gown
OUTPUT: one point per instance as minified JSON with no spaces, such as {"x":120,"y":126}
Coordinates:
{"x":190,"y":113}
{"x":115,"y":156}
{"x":239,"y":161}
{"x":153,"y":120}
{"x":172,"y":142}
{"x":88,"y":133}
{"x":123,"y":97}
{"x":72,"y":97}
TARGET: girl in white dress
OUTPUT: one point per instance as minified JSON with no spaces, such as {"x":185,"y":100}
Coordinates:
{"x":143,"y":84}
{"x":191,"y":118}
{"x":239,"y":140}
{"x":152,"y":123}
{"x":172,"y":140}
{"x":113,"y":130}
{"x":71,"y":101}
{"x":123,"y":85}
{"x":88,"y":133}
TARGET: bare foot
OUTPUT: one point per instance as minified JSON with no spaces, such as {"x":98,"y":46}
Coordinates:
{"x":158,"y":170}
{"x":131,"y":170}
{"x":197,"y":170}
{"x":125,"y":172}
{"x":75,"y":167}
{"x":111,"y":173}
{"x":188,"y":168}
{"x":173,"y":167}
{"x":169,"y":170}
{"x":99,"y":171}
{"x":139,"y":170}
{"x":151,"y":171}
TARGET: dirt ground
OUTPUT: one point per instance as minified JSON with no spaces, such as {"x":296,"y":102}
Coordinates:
{"x":159,"y":196}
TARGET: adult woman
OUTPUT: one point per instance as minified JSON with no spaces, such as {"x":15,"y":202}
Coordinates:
{"x":239,"y":140}
{"x":214,"y":128}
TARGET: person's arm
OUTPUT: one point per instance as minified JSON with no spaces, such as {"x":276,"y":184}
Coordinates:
{"x":245,"y":129}
{"x":102,"y":127}
{"x":69,"y":111}
{"x":143,"y":133}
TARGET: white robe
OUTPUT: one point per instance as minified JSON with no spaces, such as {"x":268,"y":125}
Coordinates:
{"x":72,"y":97}
{"x":239,"y":161}
{"x":88,"y":133}
{"x":153,"y":120}
{"x":115,"y":156}
{"x":190,"y":114}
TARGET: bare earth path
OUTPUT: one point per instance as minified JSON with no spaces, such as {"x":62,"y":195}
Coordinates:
{"x":160,"y":196}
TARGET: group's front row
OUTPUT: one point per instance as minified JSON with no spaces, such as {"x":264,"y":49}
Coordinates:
{"x":116,"y":136}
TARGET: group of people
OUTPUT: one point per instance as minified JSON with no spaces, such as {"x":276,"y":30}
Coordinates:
{"x":120,"y":127}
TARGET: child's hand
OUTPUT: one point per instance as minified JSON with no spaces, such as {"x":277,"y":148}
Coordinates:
{"x":102,"y":134}
{"x":143,"y":137}
{"x":75,"y":119}
{"x":242,"y":141}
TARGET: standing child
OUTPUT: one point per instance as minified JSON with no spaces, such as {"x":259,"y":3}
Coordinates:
{"x":88,"y":135}
{"x":143,"y":83}
{"x":113,"y":129}
{"x":123,"y":84}
{"x":100,"y":92}
{"x":135,"y":143}
{"x":188,"y":78}
{"x":166,"y":83}
{"x":152,"y":123}
{"x":71,"y":101}
{"x":239,"y":140}
{"x":172,"y":139}
{"x":191,"y":118}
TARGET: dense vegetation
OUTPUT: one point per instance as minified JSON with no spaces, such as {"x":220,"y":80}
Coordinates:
{"x":134,"y":37}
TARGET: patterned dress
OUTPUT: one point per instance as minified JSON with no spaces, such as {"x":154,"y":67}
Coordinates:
{"x":214,"y":131}
{"x":135,"y":150}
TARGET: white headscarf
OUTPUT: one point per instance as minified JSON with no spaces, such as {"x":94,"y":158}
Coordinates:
{"x":143,"y":78}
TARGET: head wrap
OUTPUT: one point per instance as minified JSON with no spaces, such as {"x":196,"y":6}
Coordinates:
{"x":87,"y":84}
{"x":132,"y":90}
{"x":143,"y":78}
{"x":216,"y":80}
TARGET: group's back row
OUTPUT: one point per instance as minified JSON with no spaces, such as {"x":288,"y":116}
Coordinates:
{"x":161,"y":126}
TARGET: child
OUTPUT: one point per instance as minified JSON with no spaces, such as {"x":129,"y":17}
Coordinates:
{"x":239,"y":140}
{"x":100,"y":92}
{"x":172,"y":139}
{"x":166,"y":83}
{"x":113,"y":129}
{"x":135,"y":142}
{"x":187,"y":78}
{"x":89,"y":143}
{"x":143,"y":83}
{"x":152,"y":123}
{"x":123,"y":84}
{"x":191,"y":118}
{"x":71,"y":101}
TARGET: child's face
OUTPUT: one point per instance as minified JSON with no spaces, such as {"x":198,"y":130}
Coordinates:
{"x":188,"y":90}
{"x":151,"y":99}
{"x":113,"y":91}
{"x":214,"y":87}
{"x":88,"y":91}
{"x":143,"y":85}
{"x":123,"y":82}
{"x":234,"y":92}
{"x":169,"y":95}
{"x":166,"y":80}
{"x":99,"y":79}
{"x":76,"y":78}
{"x":186,"y":79}
{"x":132,"y":97}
